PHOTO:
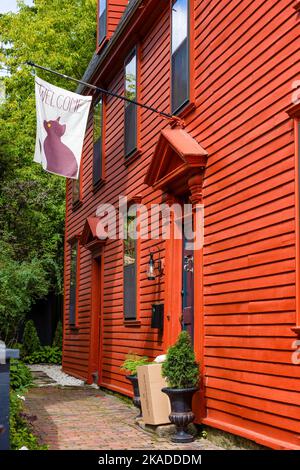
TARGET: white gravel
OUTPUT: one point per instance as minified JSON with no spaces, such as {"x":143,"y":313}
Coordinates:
{"x":56,"y":374}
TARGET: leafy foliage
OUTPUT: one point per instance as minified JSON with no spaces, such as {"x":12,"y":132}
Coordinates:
{"x":20,"y":435}
{"x":133,"y":361}
{"x":61,"y":35}
{"x":20,"y":375}
{"x":58,"y":337}
{"x":31,"y":341}
{"x":180,"y":367}
{"x":46,"y":355}
{"x":21,"y":282}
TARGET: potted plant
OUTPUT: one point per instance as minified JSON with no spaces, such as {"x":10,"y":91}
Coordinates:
{"x":130,"y":365}
{"x":182,"y":375}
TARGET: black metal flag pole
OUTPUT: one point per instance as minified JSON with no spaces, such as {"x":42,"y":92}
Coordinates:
{"x":106,"y":92}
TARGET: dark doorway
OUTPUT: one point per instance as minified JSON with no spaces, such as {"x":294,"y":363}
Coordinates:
{"x":96,"y":316}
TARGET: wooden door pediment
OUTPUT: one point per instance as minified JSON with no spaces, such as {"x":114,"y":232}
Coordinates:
{"x":92,"y":237}
{"x":177,"y":157}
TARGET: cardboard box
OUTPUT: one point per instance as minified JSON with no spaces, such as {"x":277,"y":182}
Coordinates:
{"x":155,"y":403}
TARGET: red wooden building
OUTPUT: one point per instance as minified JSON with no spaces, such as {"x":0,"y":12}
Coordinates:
{"x":228,"y":69}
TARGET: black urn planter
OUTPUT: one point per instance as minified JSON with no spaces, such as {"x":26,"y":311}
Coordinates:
{"x":136,"y":393}
{"x":181,"y":411}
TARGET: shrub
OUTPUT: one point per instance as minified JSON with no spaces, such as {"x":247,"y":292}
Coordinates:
{"x":180,"y":367}
{"x":58,"y":337}
{"x":31,"y":341}
{"x":133,"y":361}
{"x":20,"y":375}
{"x":20,"y":435}
{"x":46,"y":355}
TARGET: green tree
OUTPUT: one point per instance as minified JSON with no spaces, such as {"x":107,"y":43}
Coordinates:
{"x":31,"y":342}
{"x":21,"y":282}
{"x":59,"y":34}
{"x":180,"y":367}
{"x":58,"y":337}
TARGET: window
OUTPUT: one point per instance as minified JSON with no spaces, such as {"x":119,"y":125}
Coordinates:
{"x":76,"y":191}
{"x":130,"y":108}
{"x":180,"y":55}
{"x":101,"y":20}
{"x":129,"y":264}
{"x":98,"y":142}
{"x":73,"y":282}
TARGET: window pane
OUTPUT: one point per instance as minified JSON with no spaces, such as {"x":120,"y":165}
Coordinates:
{"x":76,"y":190}
{"x":129,"y":240}
{"x":179,"y":23}
{"x":130,"y":267}
{"x":130,"y":292}
{"x":97,"y":124}
{"x":180,"y":87}
{"x":180,"y":55}
{"x":73,"y":282}
{"x":102,"y":6}
{"x":102,"y":20}
{"x":97,"y":135}
{"x":130,"y":108}
{"x":97,"y":163}
{"x":130,"y":128}
{"x":130,"y":78}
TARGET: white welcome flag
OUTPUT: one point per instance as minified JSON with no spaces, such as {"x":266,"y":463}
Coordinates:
{"x":61,"y":122}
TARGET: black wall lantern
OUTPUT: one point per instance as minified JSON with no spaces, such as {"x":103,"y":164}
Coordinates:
{"x":154,"y":268}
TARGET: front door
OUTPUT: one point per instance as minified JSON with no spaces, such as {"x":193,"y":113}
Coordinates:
{"x":96,"y":318}
{"x":188,"y":288}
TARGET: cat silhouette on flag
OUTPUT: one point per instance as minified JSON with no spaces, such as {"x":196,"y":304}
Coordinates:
{"x":60,"y":159}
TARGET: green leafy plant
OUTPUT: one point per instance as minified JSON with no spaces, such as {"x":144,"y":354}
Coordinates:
{"x":20,"y":375}
{"x":31,"y":341}
{"x":20,"y":284}
{"x":132,"y":361}
{"x":20,"y":435}
{"x":46,"y":355}
{"x":58,"y":337}
{"x":180,"y":367}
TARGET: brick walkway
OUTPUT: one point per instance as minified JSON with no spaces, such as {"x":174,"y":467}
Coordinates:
{"x":86,"y":418}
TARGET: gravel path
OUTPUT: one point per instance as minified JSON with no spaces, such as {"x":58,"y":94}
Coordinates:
{"x":56,"y":374}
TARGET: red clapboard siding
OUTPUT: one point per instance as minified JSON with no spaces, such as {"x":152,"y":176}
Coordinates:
{"x":115,"y":10}
{"x":117,"y":338}
{"x":245,"y":60}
